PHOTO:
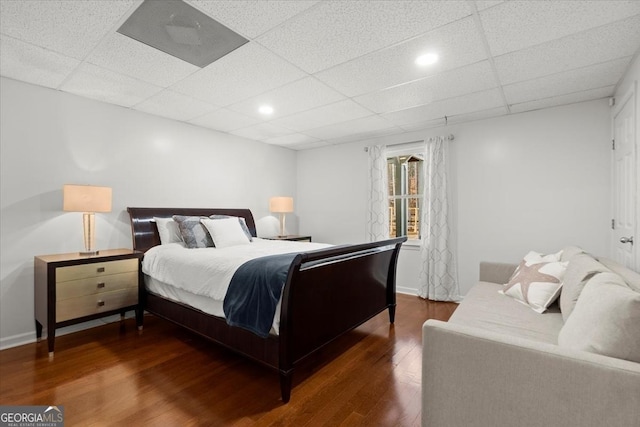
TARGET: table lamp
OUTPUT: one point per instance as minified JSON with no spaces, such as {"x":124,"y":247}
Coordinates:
{"x":87,"y":199}
{"x":281,"y":205}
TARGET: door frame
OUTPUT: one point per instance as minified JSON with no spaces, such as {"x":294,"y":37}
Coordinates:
{"x":629,"y":96}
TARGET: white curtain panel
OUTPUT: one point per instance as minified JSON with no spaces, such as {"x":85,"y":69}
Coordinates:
{"x":378,"y":204}
{"x":438,"y":279}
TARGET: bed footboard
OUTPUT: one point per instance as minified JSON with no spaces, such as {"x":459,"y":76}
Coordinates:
{"x":330,"y":292}
{"x":327,"y":293}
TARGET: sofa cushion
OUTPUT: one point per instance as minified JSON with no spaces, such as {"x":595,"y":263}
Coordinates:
{"x":605,"y":320}
{"x":569,"y":252}
{"x":537,"y":281}
{"x":631,"y":277}
{"x":485,"y":308}
{"x":580,"y":269}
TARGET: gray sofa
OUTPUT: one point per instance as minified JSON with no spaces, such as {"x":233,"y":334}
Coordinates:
{"x":499,"y":363}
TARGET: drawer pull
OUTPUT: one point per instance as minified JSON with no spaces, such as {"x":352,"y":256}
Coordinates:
{"x":100,"y":285}
{"x":100,"y":303}
{"x":100,"y":269}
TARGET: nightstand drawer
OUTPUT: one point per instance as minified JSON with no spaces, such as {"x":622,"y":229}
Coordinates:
{"x":96,"y":285}
{"x":72,"y":308}
{"x":76,"y":272}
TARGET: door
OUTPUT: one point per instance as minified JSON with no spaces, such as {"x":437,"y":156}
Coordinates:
{"x":625,"y":239}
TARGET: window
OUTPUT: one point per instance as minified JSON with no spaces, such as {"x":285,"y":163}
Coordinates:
{"x":405,"y":176}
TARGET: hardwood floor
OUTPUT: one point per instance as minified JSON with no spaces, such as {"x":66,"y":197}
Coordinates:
{"x":167,"y":376}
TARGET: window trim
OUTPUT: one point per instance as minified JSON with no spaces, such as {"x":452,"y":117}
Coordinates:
{"x":411,"y":148}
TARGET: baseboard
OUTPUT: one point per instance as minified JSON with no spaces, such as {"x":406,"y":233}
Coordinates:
{"x":30,"y":337}
{"x":17,"y":340}
{"x":407,"y":291}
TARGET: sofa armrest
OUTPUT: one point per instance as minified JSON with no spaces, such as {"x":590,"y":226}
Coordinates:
{"x":481,"y":378}
{"x":496,"y":272}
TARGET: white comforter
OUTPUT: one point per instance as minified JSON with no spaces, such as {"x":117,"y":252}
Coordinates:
{"x":208,"y":271}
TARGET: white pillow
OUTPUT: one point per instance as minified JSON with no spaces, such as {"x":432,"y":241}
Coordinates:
{"x":168,"y":230}
{"x":537,"y":281}
{"x":225,"y":232}
{"x":605,"y":320}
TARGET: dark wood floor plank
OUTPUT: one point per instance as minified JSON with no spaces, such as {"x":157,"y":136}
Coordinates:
{"x":167,"y":376}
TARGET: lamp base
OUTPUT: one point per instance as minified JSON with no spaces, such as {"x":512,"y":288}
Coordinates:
{"x":89,"y":253}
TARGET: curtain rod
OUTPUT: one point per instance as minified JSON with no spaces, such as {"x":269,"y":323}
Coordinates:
{"x":449,"y":137}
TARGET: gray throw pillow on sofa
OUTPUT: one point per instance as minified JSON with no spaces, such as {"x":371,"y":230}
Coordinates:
{"x":580,"y":269}
{"x":605,"y":320}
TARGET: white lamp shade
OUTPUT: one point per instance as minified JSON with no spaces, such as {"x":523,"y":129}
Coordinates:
{"x":281,"y":204}
{"x":86,"y":198}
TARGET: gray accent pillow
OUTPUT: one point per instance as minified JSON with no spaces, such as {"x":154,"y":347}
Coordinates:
{"x":243,"y":224}
{"x":605,"y":320}
{"x":580,"y":269}
{"x":194,"y":234}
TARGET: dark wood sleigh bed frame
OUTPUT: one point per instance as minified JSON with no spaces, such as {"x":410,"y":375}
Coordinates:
{"x":343,"y":287}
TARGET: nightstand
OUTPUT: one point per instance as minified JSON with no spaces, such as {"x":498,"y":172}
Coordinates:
{"x":290,"y":237}
{"x":71,"y":288}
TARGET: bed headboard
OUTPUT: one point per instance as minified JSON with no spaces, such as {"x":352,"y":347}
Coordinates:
{"x":145,"y":233}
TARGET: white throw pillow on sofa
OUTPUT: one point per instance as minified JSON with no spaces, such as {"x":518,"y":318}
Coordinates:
{"x":605,"y":320}
{"x":537,"y":281}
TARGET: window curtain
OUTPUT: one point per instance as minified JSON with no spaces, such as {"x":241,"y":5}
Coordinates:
{"x":438,"y":279}
{"x":378,"y":204}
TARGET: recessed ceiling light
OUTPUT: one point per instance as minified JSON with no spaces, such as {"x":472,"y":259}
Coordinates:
{"x":427,"y":59}
{"x":266,"y":110}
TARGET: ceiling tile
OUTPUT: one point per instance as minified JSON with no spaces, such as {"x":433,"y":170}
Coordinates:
{"x":72,"y":28}
{"x":459,"y":118}
{"x":587,"y":95}
{"x":224,"y":120}
{"x":457,"y":44}
{"x":252,"y":18}
{"x":472,"y":78}
{"x":586,"y":48}
{"x":128,"y":56}
{"x":476,"y":115}
{"x":94,"y":82}
{"x":353,"y":127}
{"x":591,"y":77}
{"x":514,"y":25}
{"x":174,"y":105}
{"x":485,"y":4}
{"x":478,"y":101}
{"x":33,"y":64}
{"x":364,"y":135}
{"x":262,"y":131}
{"x":336,"y":31}
{"x":247,"y":71}
{"x":308,"y":145}
{"x":293,"y":139}
{"x":340,"y":111}
{"x":295,"y":97}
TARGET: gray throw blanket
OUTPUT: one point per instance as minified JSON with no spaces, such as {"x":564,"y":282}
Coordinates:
{"x":254,"y":292}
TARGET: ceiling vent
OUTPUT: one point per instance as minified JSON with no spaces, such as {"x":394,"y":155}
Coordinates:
{"x":180,"y":30}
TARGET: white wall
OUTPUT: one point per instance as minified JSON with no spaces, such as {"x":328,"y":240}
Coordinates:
{"x":530,"y":181}
{"x":50,"y":138}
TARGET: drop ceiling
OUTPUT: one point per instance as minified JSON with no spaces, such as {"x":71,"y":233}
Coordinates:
{"x":333,"y":71}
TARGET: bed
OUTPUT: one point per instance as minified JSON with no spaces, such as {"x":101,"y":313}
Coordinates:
{"x":327,"y":293}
